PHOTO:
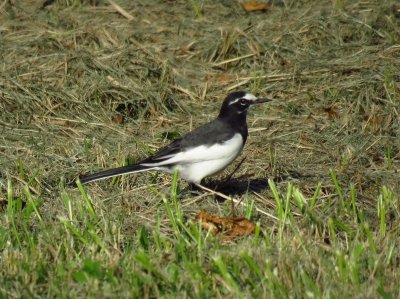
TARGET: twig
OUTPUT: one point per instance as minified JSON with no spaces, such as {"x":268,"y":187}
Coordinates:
{"x":122,"y":11}
{"x":234,"y":200}
{"x":185,"y":91}
{"x":233,"y":59}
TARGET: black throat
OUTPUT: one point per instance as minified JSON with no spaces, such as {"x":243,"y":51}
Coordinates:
{"x":237,"y":121}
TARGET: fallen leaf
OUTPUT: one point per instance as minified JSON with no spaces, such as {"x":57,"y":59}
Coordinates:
{"x":332,"y":113}
{"x":229,"y":227}
{"x":118,"y":119}
{"x":253,"y":5}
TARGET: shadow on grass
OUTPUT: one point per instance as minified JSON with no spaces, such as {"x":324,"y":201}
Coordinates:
{"x":244,"y":184}
{"x":238,"y":186}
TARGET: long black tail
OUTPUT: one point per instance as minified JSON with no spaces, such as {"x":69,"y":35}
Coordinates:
{"x":114,"y":172}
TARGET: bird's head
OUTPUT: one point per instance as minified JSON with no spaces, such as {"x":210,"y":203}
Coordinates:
{"x":237,"y":103}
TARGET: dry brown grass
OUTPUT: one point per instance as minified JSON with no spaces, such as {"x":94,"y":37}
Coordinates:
{"x":67,"y":71}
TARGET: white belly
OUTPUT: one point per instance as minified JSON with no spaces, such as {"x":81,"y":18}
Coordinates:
{"x":197,"y":171}
{"x":200,"y":162}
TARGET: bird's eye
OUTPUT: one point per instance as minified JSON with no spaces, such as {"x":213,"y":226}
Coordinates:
{"x":243,"y":102}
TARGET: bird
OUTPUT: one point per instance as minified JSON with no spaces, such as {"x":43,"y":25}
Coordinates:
{"x":203,"y":152}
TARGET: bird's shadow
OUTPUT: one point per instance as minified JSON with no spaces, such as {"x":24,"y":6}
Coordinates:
{"x":238,"y":186}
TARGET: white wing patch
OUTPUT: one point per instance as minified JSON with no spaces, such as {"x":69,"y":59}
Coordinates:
{"x":203,"y":153}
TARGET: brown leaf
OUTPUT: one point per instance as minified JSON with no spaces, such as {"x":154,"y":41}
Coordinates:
{"x":253,"y":5}
{"x":118,"y":119}
{"x":230,"y":227}
{"x":331,"y":111}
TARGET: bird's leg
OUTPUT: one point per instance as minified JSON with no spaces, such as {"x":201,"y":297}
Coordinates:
{"x":236,"y":169}
{"x":192,"y":187}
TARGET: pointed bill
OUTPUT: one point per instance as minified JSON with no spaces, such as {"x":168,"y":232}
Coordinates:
{"x":262,"y":100}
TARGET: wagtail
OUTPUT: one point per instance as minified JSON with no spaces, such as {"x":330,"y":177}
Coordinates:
{"x":202,"y":152}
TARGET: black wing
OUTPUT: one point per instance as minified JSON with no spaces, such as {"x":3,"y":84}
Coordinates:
{"x":216,"y":131}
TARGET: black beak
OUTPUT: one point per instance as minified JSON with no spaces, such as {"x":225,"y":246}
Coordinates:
{"x":262,"y":100}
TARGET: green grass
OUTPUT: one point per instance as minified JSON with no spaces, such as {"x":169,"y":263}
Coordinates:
{"x":320,"y":178}
{"x":85,"y":249}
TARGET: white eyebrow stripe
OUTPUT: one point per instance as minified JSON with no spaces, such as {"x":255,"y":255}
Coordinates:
{"x":235,"y":101}
{"x":249,"y":96}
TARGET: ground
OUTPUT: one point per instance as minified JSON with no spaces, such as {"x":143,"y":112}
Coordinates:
{"x":89,"y":85}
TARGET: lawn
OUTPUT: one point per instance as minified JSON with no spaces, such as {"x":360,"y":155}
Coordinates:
{"x":90,"y":85}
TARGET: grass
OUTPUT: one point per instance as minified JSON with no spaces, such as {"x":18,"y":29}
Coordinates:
{"x":84,"y":87}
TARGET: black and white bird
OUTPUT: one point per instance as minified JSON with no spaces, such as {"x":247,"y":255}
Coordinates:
{"x":202,"y":152}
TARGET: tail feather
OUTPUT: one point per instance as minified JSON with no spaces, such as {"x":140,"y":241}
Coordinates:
{"x":114,"y":172}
